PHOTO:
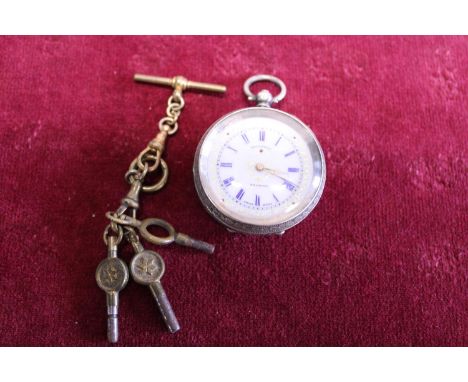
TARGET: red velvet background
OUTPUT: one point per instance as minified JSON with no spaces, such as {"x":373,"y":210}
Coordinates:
{"x":382,"y":260}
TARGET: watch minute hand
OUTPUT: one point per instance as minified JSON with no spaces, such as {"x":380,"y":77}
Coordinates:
{"x":273,"y":172}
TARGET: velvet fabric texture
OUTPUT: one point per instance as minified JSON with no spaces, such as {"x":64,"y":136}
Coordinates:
{"x":382,"y":260}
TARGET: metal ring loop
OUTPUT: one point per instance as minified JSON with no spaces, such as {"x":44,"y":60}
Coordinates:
{"x":169,"y":125}
{"x":145,"y":234}
{"x":119,"y":220}
{"x":134,"y":172}
{"x":157,"y":186}
{"x":172,"y":112}
{"x":167,"y":121}
{"x":147,"y":154}
{"x":264,"y":78}
{"x":106,"y":234}
{"x":177,"y":102}
{"x":173,"y":130}
{"x":130,"y":175}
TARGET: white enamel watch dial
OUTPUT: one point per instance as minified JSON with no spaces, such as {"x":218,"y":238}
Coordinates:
{"x":259,"y":170}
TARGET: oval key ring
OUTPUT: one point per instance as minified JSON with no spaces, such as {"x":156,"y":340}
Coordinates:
{"x":158,"y":240}
{"x":264,"y":78}
{"x":142,"y":226}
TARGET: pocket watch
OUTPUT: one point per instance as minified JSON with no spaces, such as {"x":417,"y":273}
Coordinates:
{"x":259,"y":170}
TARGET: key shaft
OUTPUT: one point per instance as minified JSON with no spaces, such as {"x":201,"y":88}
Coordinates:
{"x":147,"y":268}
{"x":112,"y":316}
{"x":164,"y":307}
{"x":187,"y":241}
{"x":112,"y":300}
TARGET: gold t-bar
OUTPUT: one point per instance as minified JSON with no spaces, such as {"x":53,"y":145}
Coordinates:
{"x":179,"y":83}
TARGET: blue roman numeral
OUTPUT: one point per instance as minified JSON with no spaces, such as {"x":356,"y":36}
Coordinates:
{"x":227,"y":182}
{"x":224,"y":164}
{"x":290,"y":186}
{"x":290,"y":153}
{"x":240,"y":194}
{"x":262,"y":135}
{"x":257,"y":200}
{"x":293,"y":169}
{"x":245,"y":138}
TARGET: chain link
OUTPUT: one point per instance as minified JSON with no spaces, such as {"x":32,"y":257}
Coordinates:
{"x":148,"y":155}
{"x":118,"y":231}
{"x":175,"y":104}
{"x":112,"y":273}
{"x":134,"y":173}
{"x":148,"y":161}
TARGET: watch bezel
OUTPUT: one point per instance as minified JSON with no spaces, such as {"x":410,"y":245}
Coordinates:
{"x":247,"y":228}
